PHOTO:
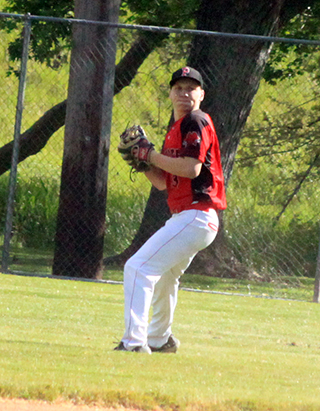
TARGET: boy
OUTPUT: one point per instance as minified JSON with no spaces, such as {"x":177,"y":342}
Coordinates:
{"x":189,"y":168}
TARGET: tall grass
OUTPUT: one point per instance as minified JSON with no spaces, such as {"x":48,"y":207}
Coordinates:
{"x":36,"y":207}
{"x":272,"y":247}
{"x":274,"y":251}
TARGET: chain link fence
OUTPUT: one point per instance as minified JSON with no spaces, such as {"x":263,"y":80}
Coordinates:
{"x":271,"y":226}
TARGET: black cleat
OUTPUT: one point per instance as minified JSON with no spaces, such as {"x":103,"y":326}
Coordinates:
{"x":171,"y":346}
{"x":141,"y":348}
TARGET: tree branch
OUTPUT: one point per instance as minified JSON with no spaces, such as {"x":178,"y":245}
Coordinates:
{"x":297,"y":188}
{"x":291,"y":8}
{"x":36,"y":137}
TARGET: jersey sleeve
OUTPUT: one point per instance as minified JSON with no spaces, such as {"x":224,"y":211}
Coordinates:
{"x":195,"y":140}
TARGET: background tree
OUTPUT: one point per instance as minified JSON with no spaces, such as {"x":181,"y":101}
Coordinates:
{"x":232,"y":70}
{"x":81,"y":215}
{"x":229,"y":98}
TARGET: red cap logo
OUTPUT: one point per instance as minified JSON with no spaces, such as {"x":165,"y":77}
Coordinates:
{"x":185,"y":71}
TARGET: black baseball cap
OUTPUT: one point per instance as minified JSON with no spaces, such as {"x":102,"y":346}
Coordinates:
{"x":186,"y":72}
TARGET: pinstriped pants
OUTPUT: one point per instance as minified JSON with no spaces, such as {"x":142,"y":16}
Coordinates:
{"x":151,"y":276}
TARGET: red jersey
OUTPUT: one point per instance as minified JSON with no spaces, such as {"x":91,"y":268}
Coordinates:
{"x":194,"y":136}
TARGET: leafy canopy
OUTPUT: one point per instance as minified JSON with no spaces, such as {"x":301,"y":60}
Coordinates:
{"x":50,"y":42}
{"x":302,"y":26}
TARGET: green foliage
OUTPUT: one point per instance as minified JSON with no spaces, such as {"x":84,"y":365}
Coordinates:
{"x":124,"y":216}
{"x":282,"y":139}
{"x":56,"y":38}
{"x":274,"y":197}
{"x":37,"y":202}
{"x":50,"y":42}
{"x":274,"y":246}
{"x":287,"y":138}
{"x":60,"y":8}
{"x":302,"y":26}
{"x":172,"y":13}
{"x":36,"y":206}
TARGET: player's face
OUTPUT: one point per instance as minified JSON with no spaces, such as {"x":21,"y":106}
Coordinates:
{"x":186,"y":96}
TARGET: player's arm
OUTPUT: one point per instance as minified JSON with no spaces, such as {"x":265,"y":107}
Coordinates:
{"x":182,"y":166}
{"x":157,"y":177}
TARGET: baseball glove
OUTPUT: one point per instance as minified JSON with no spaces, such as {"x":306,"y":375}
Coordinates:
{"x":135,"y":148}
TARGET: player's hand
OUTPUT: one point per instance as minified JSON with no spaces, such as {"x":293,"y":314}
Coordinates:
{"x":141,"y":151}
{"x":135,"y":148}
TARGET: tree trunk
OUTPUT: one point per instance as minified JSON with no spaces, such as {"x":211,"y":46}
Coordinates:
{"x":232,"y":69}
{"x":81,"y":215}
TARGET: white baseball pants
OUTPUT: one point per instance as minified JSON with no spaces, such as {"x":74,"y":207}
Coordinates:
{"x":151,"y":276}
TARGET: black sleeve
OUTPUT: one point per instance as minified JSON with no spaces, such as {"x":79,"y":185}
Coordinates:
{"x":191,"y":132}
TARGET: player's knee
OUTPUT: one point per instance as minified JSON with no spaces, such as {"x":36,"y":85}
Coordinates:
{"x":135,"y":268}
{"x":130,"y":267}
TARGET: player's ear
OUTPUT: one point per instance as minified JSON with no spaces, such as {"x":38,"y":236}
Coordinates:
{"x":170,"y":93}
{"x":202,"y":95}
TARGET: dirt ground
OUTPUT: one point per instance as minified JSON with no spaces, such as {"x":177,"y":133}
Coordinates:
{"x":24,"y":405}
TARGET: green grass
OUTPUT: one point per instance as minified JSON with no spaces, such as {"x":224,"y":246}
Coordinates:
{"x":39,"y":262}
{"x":237,"y":353}
{"x":289,"y":288}
{"x":296,"y":288}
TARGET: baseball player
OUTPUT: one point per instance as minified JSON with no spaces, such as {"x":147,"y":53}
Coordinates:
{"x":189,"y":168}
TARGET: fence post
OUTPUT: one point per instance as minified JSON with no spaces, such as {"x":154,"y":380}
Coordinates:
{"x":16,"y":144}
{"x":316,"y":295}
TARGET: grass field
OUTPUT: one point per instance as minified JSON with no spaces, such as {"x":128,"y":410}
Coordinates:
{"x":39,"y":262}
{"x":237,"y":353}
